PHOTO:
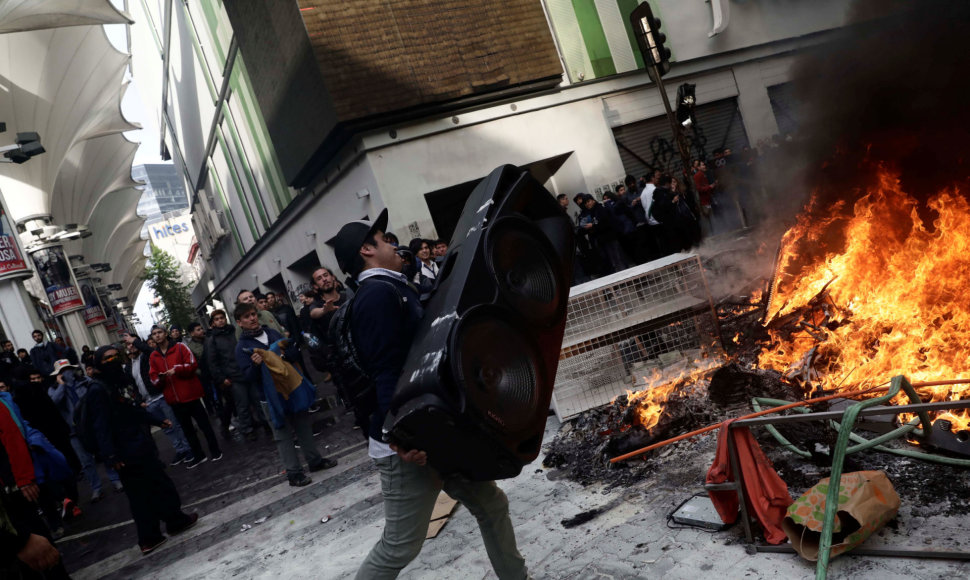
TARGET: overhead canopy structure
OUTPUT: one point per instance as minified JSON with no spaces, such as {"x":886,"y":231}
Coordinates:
{"x":23,"y":15}
{"x":67,"y":84}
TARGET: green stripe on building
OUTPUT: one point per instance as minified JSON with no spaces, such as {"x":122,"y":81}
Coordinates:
{"x":594,"y":38}
{"x":240,"y":192}
{"x":626,"y":8}
{"x":231,"y":221}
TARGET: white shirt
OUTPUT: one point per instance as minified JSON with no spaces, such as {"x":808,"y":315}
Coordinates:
{"x":139,"y":382}
{"x":646,"y":200}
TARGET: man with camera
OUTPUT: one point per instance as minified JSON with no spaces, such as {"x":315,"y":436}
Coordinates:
{"x":385,"y":315}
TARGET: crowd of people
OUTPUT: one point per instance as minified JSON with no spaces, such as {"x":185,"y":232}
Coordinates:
{"x":656,"y":215}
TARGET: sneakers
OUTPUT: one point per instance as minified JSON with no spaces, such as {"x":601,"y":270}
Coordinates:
{"x":119,"y":487}
{"x":193,"y":519}
{"x":69,"y":509}
{"x":217,"y":457}
{"x":300,"y":480}
{"x":196,"y":461}
{"x":149,"y":548}
{"x":314,"y":408}
{"x":96,"y":496}
{"x":326,"y":463}
{"x":180,"y":458}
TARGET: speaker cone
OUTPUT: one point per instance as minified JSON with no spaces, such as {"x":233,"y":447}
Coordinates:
{"x":498,"y":367}
{"x":523,"y":264}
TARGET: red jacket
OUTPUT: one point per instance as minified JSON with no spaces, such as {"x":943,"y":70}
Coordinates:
{"x":183,"y":386}
{"x":18,"y":454}
{"x":703,"y":187}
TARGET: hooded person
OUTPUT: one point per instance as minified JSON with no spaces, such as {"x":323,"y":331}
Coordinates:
{"x":120,"y":429}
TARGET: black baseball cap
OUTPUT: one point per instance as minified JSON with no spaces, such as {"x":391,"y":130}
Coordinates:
{"x":346,"y":244}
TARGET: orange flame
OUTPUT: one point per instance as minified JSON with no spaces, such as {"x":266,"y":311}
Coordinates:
{"x":894,"y":299}
{"x":651,"y":401}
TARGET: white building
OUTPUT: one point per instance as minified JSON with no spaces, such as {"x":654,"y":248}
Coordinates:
{"x":289,"y":119}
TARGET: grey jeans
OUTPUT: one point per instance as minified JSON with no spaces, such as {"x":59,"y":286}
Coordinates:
{"x":410,"y":492}
{"x":248,"y":406}
{"x":298,"y":424}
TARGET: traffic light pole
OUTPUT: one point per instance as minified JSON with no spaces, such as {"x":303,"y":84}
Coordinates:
{"x":679,"y":137}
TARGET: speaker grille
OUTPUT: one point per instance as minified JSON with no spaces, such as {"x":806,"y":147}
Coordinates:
{"x":525,"y":268}
{"x":498,"y":367}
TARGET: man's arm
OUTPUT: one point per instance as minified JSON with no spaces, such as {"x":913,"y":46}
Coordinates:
{"x":57,"y":392}
{"x":378,"y":326}
{"x":188,"y":365}
{"x":98,"y":408}
{"x":155,"y":367}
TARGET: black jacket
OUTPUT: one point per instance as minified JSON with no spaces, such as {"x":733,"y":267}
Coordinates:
{"x":220,"y":355}
{"x":288,"y":319}
{"x":143,"y":367}
{"x":120,"y":426}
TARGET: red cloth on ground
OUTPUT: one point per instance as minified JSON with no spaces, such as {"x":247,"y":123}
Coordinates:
{"x":766,"y":495}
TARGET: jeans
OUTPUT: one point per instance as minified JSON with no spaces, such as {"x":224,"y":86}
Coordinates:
{"x":246,"y":396}
{"x":160,"y":410}
{"x":89,"y":466}
{"x":299,"y":424}
{"x":410,"y":492}
{"x":193,"y":410}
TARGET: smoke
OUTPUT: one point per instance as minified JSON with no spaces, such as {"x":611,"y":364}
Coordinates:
{"x":889,"y":90}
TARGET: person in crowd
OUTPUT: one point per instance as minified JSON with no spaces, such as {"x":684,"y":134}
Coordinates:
{"x":172,"y":367}
{"x":290,"y":322}
{"x":195,"y":340}
{"x":563,"y":201}
{"x":306,"y":299}
{"x":266,"y":317}
{"x":426,"y":270}
{"x":119,"y":426}
{"x":8,"y":359}
{"x":30,"y":393}
{"x":66,"y":393}
{"x":288,"y":416}
{"x":678,"y":223}
{"x":138,"y":370}
{"x":175,"y":333}
{"x":43,"y":354}
{"x":24,"y":357}
{"x":69,"y":353}
{"x":27,"y":549}
{"x":439,"y":251}
{"x":602,"y":230}
{"x":705,"y":189}
{"x":220,"y":350}
{"x":383,"y":331}
{"x":655,"y":239}
{"x":624,"y":220}
{"x":87,"y":356}
{"x":329,"y":297}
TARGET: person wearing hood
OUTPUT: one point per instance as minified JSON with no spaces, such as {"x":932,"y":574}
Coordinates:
{"x":66,"y":394}
{"x":237,"y":392}
{"x":43,"y":354}
{"x":120,"y":428}
{"x":288,"y":415}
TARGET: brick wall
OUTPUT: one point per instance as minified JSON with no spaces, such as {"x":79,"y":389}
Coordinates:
{"x":388,"y":55}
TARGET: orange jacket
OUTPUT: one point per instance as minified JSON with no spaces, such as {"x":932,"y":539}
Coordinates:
{"x":184,"y":385}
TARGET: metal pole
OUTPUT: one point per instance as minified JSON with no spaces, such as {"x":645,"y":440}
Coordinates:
{"x":679,"y":137}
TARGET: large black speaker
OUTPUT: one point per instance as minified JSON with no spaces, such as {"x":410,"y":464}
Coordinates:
{"x":475,"y":390}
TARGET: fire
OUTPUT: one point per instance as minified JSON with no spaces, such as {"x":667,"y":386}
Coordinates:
{"x":887,"y":297}
{"x":656,"y":389}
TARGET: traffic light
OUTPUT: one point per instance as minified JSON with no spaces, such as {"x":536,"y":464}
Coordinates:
{"x":475,"y":391}
{"x":650,"y":39}
{"x":685,"y":105}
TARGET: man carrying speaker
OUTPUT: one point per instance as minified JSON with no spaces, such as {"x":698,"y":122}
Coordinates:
{"x":385,"y":314}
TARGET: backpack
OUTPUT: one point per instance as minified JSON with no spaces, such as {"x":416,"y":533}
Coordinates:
{"x":345,"y":365}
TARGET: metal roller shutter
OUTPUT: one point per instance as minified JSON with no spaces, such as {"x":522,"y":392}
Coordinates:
{"x":648,"y":144}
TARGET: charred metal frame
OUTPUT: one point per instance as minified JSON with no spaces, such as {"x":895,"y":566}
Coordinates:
{"x":738,"y":484}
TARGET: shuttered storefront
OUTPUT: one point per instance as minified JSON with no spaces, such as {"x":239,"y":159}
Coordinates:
{"x":649,"y":144}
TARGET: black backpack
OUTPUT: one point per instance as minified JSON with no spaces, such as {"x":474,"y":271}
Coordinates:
{"x":345,"y":365}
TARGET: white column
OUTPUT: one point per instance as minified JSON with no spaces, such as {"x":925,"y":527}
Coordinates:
{"x":73,"y":325}
{"x":17,"y":313}
{"x":101,"y":337}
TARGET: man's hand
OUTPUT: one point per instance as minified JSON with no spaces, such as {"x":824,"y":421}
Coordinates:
{"x":129,"y":339}
{"x":411,"y":456}
{"x":168,"y":373}
{"x":31,"y":492}
{"x":166,"y":424}
{"x":39,"y":554}
{"x":117,"y":465}
{"x":256,"y":358}
{"x":227,"y":383}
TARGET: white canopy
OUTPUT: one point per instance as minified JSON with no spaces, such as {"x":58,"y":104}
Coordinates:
{"x":22,"y":15}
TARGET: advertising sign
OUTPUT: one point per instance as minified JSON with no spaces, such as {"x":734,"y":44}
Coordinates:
{"x":111,"y":324}
{"x":12,"y":262}
{"x":93,"y":314}
{"x":54,"y":271}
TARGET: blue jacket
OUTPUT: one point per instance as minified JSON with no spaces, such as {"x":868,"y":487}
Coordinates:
{"x":383,"y":323}
{"x":66,"y":397}
{"x":300,"y":399}
{"x":49,"y":463}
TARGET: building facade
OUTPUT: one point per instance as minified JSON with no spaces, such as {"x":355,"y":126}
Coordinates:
{"x":287,"y":120}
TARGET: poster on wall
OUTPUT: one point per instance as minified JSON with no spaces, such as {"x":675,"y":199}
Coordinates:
{"x":54,"y":271}
{"x":93,"y":313}
{"x":12,"y":262}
